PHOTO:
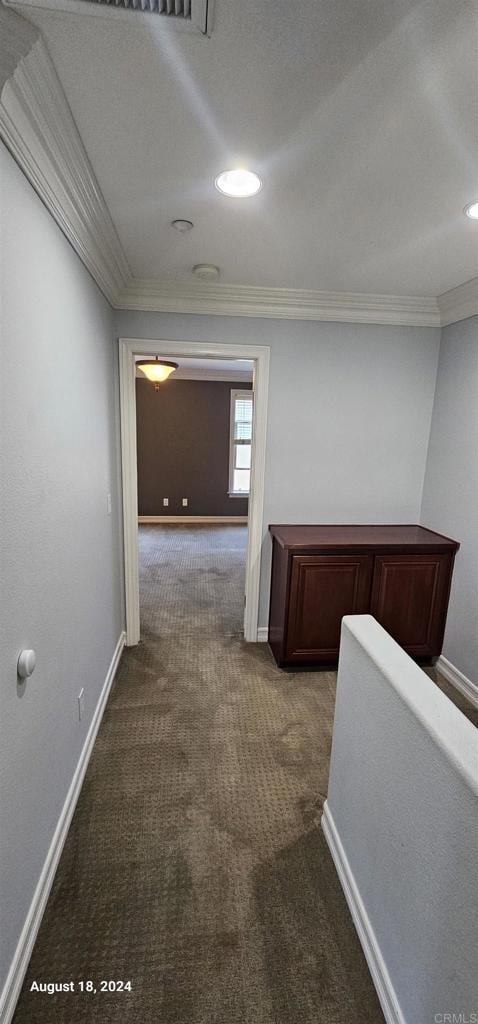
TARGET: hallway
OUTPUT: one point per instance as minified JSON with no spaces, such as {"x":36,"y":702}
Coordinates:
{"x":195,"y":866}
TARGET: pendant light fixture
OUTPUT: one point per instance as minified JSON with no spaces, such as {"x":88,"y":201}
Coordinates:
{"x":156,"y":370}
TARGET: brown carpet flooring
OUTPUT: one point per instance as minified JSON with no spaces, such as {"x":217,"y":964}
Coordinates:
{"x":195,"y":866}
{"x":192,"y":580}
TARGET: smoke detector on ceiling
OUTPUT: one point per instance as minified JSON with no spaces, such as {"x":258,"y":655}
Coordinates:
{"x":183,"y":226}
{"x":191,"y":15}
{"x":206,"y":271}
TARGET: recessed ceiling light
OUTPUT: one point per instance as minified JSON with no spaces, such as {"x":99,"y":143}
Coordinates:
{"x":238,"y":183}
{"x":182,"y":225}
{"x":472,"y":210}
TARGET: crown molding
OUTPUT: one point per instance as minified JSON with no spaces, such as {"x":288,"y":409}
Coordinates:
{"x":37,"y":126}
{"x":459,"y":303}
{"x":283,"y":303}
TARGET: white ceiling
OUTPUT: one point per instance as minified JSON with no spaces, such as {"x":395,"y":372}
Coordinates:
{"x":360,"y":116}
{"x":226,"y":365}
{"x":215,"y":369}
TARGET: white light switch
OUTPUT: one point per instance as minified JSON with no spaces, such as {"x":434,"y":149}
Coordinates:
{"x":81,"y":703}
{"x":165,"y":501}
{"x":108,"y":504}
{"x":185,"y":502}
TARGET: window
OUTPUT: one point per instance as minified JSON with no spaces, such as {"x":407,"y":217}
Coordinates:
{"x":240,"y":444}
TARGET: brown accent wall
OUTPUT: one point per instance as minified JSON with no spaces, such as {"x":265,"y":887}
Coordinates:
{"x":183,"y":448}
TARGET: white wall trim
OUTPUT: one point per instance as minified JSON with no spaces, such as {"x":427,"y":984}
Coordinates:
{"x":16,"y":974}
{"x":284,"y":303}
{"x":262,"y":634}
{"x":458,"y":680}
{"x":459,"y":303}
{"x":377,"y":967}
{"x":259,"y":355}
{"x":224,"y":520}
{"x":37,"y":126}
{"x":129,"y":470}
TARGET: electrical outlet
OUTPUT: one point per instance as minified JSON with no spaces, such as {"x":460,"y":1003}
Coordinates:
{"x":165,"y":501}
{"x":185,"y":502}
{"x":81,"y":704}
{"x":108,"y":504}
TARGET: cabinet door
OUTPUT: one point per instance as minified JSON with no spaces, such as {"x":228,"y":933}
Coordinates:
{"x":410,"y":598}
{"x":323,"y":589}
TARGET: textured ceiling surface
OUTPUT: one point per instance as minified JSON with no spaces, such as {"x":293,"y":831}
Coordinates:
{"x":218,"y":365}
{"x":362,"y":119}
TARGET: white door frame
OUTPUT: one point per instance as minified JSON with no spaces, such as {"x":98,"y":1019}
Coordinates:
{"x":128,"y":349}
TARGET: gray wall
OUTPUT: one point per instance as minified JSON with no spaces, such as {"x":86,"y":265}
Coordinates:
{"x":349,"y":415}
{"x":402,"y":795}
{"x":183,"y":448}
{"x":450,"y":496}
{"x":59,"y":550}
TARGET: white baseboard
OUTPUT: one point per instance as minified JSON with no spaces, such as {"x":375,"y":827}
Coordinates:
{"x":378,"y":970}
{"x":262,"y":634}
{"x":225,"y":520}
{"x":458,"y":680}
{"x":16,"y":974}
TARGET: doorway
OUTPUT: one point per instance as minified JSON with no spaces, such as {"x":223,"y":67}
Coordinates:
{"x":194,"y":446}
{"x":129,"y":349}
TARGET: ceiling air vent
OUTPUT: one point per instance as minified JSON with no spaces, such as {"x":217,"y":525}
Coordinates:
{"x":192,"y":15}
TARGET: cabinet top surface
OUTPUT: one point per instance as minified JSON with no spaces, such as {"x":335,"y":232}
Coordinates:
{"x":324,"y":536}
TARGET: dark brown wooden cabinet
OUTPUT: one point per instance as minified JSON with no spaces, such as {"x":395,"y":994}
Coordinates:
{"x":399,"y":574}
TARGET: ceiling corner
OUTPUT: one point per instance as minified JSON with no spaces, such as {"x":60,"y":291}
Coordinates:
{"x":37,"y":126}
{"x":459,"y":303}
